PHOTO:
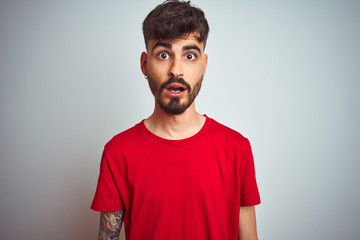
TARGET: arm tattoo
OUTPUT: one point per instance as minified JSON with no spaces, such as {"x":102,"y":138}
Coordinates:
{"x":110,"y":225}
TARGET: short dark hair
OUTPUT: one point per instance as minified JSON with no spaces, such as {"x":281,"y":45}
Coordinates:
{"x":174,"y":19}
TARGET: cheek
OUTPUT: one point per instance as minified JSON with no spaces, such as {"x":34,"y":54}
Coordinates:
{"x":157,"y":68}
{"x":195,"y":73}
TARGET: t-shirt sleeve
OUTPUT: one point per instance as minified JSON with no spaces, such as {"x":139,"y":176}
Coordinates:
{"x":107,"y":196}
{"x":249,"y":193}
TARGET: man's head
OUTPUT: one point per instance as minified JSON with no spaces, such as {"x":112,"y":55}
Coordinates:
{"x":175,"y":35}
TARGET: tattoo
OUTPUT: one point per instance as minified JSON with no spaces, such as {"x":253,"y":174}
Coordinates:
{"x":110,"y":225}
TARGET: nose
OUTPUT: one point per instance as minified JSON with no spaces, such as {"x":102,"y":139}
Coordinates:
{"x":176,"y":68}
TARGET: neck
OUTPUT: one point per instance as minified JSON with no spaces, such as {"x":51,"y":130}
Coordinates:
{"x":175,"y":127}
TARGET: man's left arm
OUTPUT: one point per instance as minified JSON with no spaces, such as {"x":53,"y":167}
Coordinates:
{"x":247,"y":224}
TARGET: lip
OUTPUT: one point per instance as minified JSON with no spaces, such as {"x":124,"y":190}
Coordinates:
{"x":175,"y":85}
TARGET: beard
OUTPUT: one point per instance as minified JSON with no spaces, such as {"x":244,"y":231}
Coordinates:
{"x":174,"y":105}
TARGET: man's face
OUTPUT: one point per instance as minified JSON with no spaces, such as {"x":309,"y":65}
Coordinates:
{"x":175,"y":69}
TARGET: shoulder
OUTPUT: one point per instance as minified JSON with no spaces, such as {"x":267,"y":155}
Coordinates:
{"x":227,"y":134}
{"x":125,"y":139}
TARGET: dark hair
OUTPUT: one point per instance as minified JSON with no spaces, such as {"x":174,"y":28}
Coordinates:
{"x":175,"y":19}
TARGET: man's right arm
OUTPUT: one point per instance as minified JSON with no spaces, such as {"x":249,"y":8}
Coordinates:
{"x":110,"y":225}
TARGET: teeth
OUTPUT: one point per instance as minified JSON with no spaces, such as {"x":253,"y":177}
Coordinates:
{"x":176,"y":90}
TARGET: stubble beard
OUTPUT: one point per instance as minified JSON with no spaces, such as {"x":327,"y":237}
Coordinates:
{"x":176,"y":105}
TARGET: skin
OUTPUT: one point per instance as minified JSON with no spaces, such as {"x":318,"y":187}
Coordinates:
{"x":110,"y":225}
{"x":247,"y":224}
{"x":185,"y":58}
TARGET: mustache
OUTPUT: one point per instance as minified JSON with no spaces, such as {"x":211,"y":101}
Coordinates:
{"x":175,"y":80}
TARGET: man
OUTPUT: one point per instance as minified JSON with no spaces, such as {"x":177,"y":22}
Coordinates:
{"x":177,"y":174}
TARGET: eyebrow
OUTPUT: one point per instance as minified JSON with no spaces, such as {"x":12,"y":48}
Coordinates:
{"x":191,"y":47}
{"x":169,"y":46}
{"x":162,"y":44}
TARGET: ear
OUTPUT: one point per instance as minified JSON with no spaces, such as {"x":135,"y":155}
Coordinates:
{"x":143,"y":63}
{"x":205,"y":63}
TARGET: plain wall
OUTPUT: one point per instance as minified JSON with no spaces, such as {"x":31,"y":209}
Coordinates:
{"x":286,"y":74}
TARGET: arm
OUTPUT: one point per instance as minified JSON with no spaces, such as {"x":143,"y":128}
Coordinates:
{"x":247,"y":223}
{"x":110,"y":225}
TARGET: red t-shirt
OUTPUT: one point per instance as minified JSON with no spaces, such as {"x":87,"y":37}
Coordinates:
{"x":178,"y":189}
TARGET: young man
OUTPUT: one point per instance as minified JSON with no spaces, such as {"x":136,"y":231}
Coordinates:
{"x":177,"y":174}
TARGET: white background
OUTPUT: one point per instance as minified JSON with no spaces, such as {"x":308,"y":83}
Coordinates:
{"x":286,"y":74}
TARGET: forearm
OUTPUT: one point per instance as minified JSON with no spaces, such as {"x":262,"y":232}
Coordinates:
{"x":110,"y":225}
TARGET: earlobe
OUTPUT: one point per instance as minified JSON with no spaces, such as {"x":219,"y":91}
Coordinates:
{"x":143,"y":63}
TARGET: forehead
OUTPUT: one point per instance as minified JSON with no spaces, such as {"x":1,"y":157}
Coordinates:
{"x":190,"y":39}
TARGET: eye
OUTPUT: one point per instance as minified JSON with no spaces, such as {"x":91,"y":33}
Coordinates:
{"x":190,"y":56}
{"x":163,"y":55}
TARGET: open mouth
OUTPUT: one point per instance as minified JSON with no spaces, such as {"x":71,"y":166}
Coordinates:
{"x":175,"y":88}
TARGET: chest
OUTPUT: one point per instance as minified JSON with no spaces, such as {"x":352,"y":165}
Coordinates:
{"x":190,"y":174}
